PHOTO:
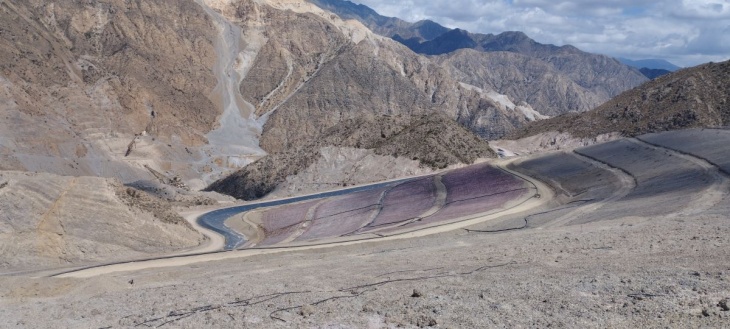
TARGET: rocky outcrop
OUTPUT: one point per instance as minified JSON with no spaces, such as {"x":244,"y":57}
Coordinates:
{"x":345,"y":166}
{"x":694,"y":97}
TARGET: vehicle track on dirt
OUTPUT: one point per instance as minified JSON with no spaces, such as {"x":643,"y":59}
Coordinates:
{"x":713,"y":194}
{"x":626,"y":180}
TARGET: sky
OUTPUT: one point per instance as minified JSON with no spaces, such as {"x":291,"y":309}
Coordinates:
{"x":684,"y":32}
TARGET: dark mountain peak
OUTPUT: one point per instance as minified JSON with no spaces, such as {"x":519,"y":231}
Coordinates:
{"x":445,"y":43}
{"x":660,"y":64}
{"x":517,"y":36}
{"x":653,"y":73}
{"x":429,"y":29}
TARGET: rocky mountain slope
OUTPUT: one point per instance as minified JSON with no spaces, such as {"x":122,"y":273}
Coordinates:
{"x":552,"y":79}
{"x":114,"y":86}
{"x":317,"y":73}
{"x":315,"y":70}
{"x":188,"y":91}
{"x":694,"y":97}
{"x":524,"y":78}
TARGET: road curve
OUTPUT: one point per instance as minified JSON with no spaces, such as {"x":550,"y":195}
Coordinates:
{"x":540,"y":195}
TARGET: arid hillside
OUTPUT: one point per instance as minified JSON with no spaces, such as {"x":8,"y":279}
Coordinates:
{"x":693,"y":97}
{"x":110,"y":85}
{"x":50,"y":221}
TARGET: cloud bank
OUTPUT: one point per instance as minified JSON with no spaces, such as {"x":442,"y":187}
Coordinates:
{"x":685,"y":32}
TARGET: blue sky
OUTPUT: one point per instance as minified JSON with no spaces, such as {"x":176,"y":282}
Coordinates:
{"x":685,"y":32}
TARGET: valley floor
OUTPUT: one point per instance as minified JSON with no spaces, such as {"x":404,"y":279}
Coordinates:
{"x":637,"y":236}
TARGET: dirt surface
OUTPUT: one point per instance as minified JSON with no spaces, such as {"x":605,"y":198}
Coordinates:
{"x":50,"y":221}
{"x":664,"y":266}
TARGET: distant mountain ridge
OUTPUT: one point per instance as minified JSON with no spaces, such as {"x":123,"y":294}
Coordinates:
{"x":651,"y":68}
{"x":653,"y":73}
{"x":655,"y":64}
{"x":570,"y":80}
{"x":388,"y":26}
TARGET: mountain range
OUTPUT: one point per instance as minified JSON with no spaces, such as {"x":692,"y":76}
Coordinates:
{"x":656,"y":64}
{"x":185,"y":93}
{"x":551,"y":79}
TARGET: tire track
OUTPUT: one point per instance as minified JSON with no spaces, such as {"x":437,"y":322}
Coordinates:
{"x":627,"y":181}
{"x":713,"y":194}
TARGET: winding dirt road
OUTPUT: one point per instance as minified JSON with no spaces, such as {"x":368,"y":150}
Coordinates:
{"x":540,"y":195}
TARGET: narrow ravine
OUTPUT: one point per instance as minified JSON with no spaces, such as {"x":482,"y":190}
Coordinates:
{"x":235,"y":141}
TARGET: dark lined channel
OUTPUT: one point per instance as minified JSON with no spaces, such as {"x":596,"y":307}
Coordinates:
{"x":215,"y":220}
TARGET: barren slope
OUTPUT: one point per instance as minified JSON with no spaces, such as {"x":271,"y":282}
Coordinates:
{"x":92,"y":76}
{"x":53,"y":221}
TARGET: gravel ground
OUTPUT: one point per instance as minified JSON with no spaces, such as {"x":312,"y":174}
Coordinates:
{"x":637,"y":269}
{"x":633,"y":272}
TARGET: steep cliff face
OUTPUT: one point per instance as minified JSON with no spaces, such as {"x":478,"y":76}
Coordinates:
{"x":694,"y":97}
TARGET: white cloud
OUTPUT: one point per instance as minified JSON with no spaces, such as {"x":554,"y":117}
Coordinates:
{"x":687,"y":32}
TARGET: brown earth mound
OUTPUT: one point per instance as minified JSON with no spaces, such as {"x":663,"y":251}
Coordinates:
{"x":694,"y":97}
